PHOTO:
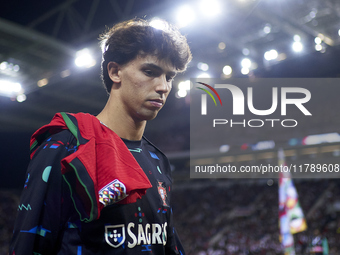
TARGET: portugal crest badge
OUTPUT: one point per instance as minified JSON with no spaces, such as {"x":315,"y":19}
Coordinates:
{"x":112,"y":193}
{"x":162,"y":192}
{"x":115,"y":235}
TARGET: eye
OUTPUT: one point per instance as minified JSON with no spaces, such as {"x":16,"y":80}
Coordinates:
{"x":170,"y":78}
{"x":149,"y":72}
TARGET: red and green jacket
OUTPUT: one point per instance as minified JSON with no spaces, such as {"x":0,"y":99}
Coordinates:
{"x":88,"y":191}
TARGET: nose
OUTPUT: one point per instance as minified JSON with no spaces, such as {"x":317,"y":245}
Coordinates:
{"x":163,"y":86}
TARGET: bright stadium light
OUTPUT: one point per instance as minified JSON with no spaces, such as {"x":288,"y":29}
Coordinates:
{"x":203,"y":66}
{"x":267,"y":56}
{"x":210,"y":8}
{"x":84,"y":59}
{"x":317,"y":40}
{"x":9,"y":68}
{"x":245,"y":71}
{"x":185,"y":16}
{"x":297,"y":38}
{"x":16,"y":68}
{"x":9,"y":88}
{"x":297,"y":46}
{"x":184,"y":85}
{"x":158,"y":24}
{"x":21,"y":98}
{"x":181,"y":93}
{"x":318,"y":47}
{"x":246,"y":63}
{"x":271,"y":55}
{"x":3,"y":65}
{"x":227,"y":70}
{"x":203,"y":75}
{"x":267,"y":29}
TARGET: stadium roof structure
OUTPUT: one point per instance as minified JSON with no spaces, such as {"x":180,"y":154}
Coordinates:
{"x":40,"y":40}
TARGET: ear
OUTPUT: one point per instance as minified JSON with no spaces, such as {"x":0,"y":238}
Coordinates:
{"x":112,"y":70}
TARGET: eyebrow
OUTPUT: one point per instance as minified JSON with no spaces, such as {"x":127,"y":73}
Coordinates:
{"x":154,"y":66}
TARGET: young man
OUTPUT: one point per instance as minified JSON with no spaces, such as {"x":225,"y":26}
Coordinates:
{"x":95,"y":185}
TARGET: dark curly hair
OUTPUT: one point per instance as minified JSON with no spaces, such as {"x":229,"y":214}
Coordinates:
{"x":128,"y":39}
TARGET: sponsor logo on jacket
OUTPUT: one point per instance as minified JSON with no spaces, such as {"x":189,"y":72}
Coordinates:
{"x":135,"y":234}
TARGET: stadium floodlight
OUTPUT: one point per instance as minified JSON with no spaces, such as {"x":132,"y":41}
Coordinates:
{"x":181,"y":93}
{"x":227,"y":70}
{"x":16,"y":68}
{"x":267,"y":29}
{"x":271,"y":55}
{"x":7,"y":68}
{"x":297,"y":46}
{"x":21,"y":98}
{"x":3,"y":65}
{"x":317,"y":40}
{"x":184,"y":85}
{"x":246,"y":63}
{"x":8,"y":88}
{"x":297,"y":38}
{"x":267,"y":56}
{"x":185,"y":16}
{"x":203,"y":75}
{"x":158,"y":23}
{"x":84,"y":58}
{"x":221,"y":45}
{"x":203,"y":66}
{"x":318,"y":47}
{"x":210,"y":8}
{"x":246,"y":51}
{"x":245,"y":70}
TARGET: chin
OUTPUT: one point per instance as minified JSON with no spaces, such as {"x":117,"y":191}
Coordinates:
{"x":149,"y":116}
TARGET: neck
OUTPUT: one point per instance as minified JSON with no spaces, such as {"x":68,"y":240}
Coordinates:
{"x":121,"y":123}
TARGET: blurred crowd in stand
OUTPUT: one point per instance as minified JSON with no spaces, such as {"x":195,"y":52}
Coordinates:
{"x":9,"y":201}
{"x":241,"y":218}
{"x":238,"y":217}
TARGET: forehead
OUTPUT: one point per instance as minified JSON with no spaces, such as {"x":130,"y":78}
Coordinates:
{"x":153,"y":61}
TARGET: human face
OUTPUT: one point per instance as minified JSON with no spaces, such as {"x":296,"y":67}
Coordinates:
{"x":145,"y":84}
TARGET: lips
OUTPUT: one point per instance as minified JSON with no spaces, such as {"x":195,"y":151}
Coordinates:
{"x":156,"y":102}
